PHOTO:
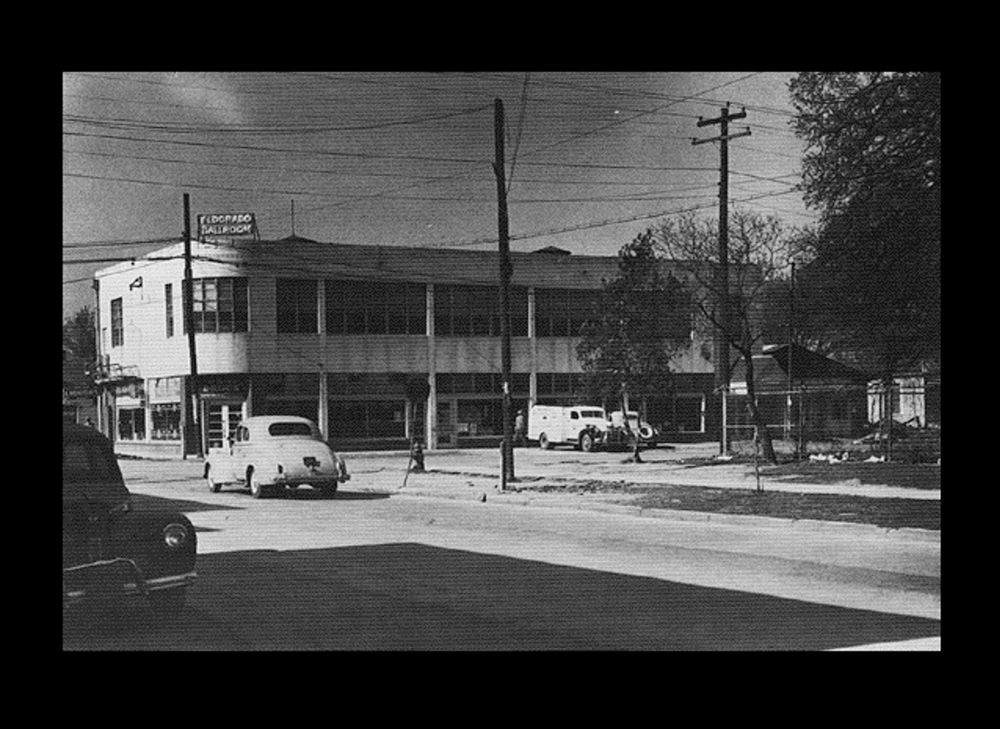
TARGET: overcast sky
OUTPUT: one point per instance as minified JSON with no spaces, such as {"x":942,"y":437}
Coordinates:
{"x":405,"y":159}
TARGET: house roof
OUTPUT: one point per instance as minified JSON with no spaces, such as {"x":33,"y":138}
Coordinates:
{"x":808,"y":365}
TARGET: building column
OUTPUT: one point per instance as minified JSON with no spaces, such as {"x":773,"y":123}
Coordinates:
{"x":323,"y":409}
{"x":430,"y":416}
{"x":533,"y":375}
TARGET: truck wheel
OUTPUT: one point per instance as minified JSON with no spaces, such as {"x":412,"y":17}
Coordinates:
{"x":586,"y":442}
{"x":543,"y":441}
{"x":213,"y":485}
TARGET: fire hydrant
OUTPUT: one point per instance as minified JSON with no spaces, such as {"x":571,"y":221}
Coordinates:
{"x":417,"y":455}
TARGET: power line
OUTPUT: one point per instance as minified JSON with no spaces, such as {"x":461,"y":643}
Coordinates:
{"x":130,"y":124}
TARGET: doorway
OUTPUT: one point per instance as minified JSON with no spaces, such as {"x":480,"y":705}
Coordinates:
{"x":222,"y":419}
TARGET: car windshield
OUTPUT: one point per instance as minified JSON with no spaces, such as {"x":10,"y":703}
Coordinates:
{"x":290,"y":428}
{"x":592,"y":414}
{"x":91,"y":471}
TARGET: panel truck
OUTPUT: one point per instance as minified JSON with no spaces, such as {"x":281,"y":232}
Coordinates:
{"x":582,"y":426}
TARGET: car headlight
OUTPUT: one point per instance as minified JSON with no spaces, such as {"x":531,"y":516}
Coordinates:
{"x":174,"y":535}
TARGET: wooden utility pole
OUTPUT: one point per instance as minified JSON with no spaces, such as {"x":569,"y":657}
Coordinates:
{"x":506,"y":447}
{"x":193,"y":400}
{"x":722,"y":363}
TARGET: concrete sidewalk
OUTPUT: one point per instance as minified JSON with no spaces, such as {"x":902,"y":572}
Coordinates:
{"x":534,"y":467}
{"x":474,"y":474}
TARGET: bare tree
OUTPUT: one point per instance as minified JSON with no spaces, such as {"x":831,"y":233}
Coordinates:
{"x":758,"y":255}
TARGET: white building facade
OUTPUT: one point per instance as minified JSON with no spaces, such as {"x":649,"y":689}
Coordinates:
{"x":379,"y":345}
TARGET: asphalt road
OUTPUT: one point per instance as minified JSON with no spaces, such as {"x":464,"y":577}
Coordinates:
{"x":370,"y":570}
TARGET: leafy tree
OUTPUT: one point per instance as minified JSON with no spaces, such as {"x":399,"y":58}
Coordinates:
{"x":641,"y":323}
{"x":757,"y":258}
{"x":78,"y":335}
{"x":872,"y":288}
{"x":78,"y":338}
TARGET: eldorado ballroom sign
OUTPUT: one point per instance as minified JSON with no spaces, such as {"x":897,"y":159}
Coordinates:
{"x":226,"y":225}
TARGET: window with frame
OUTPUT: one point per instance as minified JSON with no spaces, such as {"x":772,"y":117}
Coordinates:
{"x":297,"y":305}
{"x":117,"y":323}
{"x":481,"y":383}
{"x":219,"y":304}
{"x":166,"y":419}
{"x":131,"y":424}
{"x":168,"y":299}
{"x":563,"y":312}
{"x":564,"y":384}
{"x":375,"y":307}
{"x":474,"y":311}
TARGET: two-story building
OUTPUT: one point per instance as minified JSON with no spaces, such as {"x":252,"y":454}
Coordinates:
{"x":377,"y":344}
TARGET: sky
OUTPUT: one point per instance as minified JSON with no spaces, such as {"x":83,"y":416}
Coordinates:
{"x":406,"y":159}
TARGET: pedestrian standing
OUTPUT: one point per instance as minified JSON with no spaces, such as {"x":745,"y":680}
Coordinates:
{"x":520,"y":429}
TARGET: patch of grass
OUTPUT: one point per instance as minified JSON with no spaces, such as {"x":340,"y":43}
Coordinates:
{"x":903,"y":475}
{"x":887,"y":513}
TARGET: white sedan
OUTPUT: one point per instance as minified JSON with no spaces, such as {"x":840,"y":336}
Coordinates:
{"x":270,"y":452}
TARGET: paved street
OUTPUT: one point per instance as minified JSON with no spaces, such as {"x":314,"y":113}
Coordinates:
{"x":431,"y":566}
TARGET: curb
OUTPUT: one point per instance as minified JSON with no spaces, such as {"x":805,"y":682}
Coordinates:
{"x":812,"y":525}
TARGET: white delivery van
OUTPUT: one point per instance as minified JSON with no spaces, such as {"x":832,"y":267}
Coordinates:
{"x":583,"y":426}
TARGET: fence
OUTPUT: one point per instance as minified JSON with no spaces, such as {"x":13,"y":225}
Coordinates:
{"x":820,"y":417}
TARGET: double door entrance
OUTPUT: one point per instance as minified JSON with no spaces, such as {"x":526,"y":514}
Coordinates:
{"x":221,"y":418}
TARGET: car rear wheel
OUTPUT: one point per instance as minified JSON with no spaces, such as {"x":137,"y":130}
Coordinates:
{"x":257,"y":489}
{"x":329,"y":488}
{"x":168,"y":603}
{"x":543,"y":441}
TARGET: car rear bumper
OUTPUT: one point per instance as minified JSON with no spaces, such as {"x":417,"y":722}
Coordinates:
{"x":119,"y":577}
{"x":311,"y":478}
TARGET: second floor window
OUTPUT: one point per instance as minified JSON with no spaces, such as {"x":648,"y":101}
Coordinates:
{"x":117,"y":324}
{"x":375,"y":307}
{"x":474,"y":311}
{"x":297,"y":305}
{"x":168,"y":297}
{"x":219,"y":305}
{"x":563,"y":312}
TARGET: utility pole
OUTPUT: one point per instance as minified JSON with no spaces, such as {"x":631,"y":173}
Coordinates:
{"x":193,"y":398}
{"x":722,"y":364}
{"x":506,"y":446}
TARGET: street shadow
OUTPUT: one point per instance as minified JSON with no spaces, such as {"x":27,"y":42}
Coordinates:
{"x":305,"y":493}
{"x":408,"y":596}
{"x":146,"y":502}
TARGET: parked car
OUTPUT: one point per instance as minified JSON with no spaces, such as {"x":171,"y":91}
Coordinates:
{"x":648,"y":435}
{"x":583,"y":426}
{"x":111,"y":550}
{"x":270,"y":452}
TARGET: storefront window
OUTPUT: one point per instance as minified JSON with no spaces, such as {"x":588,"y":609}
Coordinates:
{"x":367,"y":418}
{"x":303,"y":408}
{"x":166,"y":421}
{"x":131,"y":424}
